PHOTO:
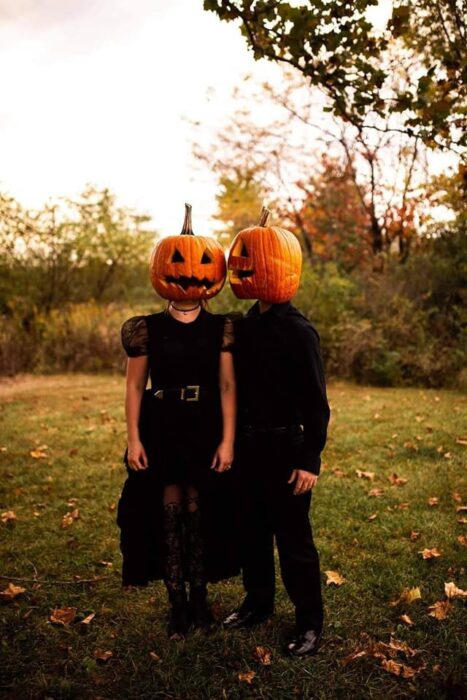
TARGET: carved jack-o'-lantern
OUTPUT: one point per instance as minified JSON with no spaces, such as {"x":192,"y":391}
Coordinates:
{"x":265,"y":263}
{"x":187,"y":267}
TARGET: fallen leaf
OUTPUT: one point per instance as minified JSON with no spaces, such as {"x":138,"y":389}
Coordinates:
{"x":440,"y":610}
{"x":373,"y":516}
{"x":101,"y":655}
{"x":154,"y":656}
{"x":411,"y":446}
{"x":408,"y":595}
{"x":88,"y":619}
{"x":8,"y":516}
{"x":73,"y":452}
{"x":376,"y":492}
{"x":433,"y":500}
{"x":334,"y":577}
{"x":457,"y":497}
{"x":39,"y":452}
{"x":407,"y":620}
{"x":414,"y":535}
{"x":461,"y":509}
{"x":461,"y":441}
{"x":365,"y":475}
{"x":247,"y":677}
{"x":70,"y":517}
{"x":462,"y":521}
{"x":338,"y":472}
{"x":112,"y":507}
{"x":452,"y":591}
{"x":430,"y":553}
{"x":351,"y":657}
{"x":447,"y":455}
{"x":402,"y":506}
{"x":419,"y":419}
{"x":263,"y":655}
{"x":397,"y":480}
{"x":63,"y":616}
{"x":398,"y":669}
{"x":462,"y":539}
{"x":11,"y":592}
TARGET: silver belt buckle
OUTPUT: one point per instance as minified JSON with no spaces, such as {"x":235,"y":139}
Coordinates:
{"x":159,"y":394}
{"x":193,"y":387}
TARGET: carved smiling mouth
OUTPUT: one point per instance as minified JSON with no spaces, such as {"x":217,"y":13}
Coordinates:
{"x":242,"y":274}
{"x":186,"y":282}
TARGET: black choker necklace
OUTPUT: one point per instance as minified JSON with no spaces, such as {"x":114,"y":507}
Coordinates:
{"x":185,"y":311}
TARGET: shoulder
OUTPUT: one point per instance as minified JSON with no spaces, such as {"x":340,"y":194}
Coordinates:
{"x":134,"y":335}
{"x":300,"y":328}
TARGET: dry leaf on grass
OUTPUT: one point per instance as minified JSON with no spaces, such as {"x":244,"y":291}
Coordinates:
{"x":461,"y":509}
{"x":462,"y":539}
{"x":88,"y":619}
{"x":452,"y":591}
{"x":373,"y":516}
{"x":339,"y":472}
{"x":63,"y":616}
{"x":102,"y":655}
{"x":39,"y":452}
{"x":461,"y":441}
{"x":8,"y":516}
{"x":334,"y":577}
{"x":365,"y":475}
{"x":398,"y":669}
{"x":376,"y":492}
{"x":154,"y":656}
{"x":430,"y":553}
{"x":11,"y":592}
{"x":440,"y":610}
{"x":457,"y":497}
{"x":408,"y":595}
{"x":414,"y":535}
{"x":462,"y":521}
{"x":397,"y":480}
{"x":411,"y":446}
{"x":381,"y":651}
{"x":263,"y":655}
{"x":247,"y":677}
{"x":402,"y":506}
{"x":407,"y":620}
{"x":70,"y":517}
{"x":433,"y":500}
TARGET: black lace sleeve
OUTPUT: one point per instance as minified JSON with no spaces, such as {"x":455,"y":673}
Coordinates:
{"x":135,"y":336}
{"x":228,"y":336}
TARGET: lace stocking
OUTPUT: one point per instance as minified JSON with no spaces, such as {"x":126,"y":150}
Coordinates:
{"x":174,"y":578}
{"x":194,"y":540}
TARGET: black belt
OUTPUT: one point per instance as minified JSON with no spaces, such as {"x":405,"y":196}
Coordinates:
{"x":191,"y":392}
{"x":251,"y":430}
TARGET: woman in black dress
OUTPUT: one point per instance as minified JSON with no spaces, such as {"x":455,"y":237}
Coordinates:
{"x":175,"y":500}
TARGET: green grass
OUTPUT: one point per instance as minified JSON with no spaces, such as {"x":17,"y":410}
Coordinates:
{"x":80,"y":419}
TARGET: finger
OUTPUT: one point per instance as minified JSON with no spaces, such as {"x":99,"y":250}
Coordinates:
{"x":298,"y":485}
{"x":214,"y":461}
{"x":293,"y":476}
{"x":145,"y":458}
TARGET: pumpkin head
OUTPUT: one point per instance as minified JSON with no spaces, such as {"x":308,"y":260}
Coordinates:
{"x":187,"y":267}
{"x":265,"y":263}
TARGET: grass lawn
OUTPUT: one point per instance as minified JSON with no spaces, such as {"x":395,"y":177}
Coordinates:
{"x":61,"y":444}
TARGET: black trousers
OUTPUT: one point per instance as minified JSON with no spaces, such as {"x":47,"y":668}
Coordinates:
{"x":267,"y":508}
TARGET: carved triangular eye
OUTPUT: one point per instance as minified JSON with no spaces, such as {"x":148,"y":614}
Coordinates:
{"x":244,"y":252}
{"x":206,"y":258}
{"x":177,"y":256}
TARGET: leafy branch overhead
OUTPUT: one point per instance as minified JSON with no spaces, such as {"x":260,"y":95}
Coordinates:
{"x":414,"y":68}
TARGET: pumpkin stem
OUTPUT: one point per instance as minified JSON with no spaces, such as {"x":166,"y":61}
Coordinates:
{"x":264,"y":216}
{"x":187,"y":229}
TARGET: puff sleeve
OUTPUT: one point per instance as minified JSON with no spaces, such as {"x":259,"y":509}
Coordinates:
{"x":134,"y":335}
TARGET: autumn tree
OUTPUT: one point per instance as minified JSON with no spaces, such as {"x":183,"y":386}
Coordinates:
{"x":411,"y":76}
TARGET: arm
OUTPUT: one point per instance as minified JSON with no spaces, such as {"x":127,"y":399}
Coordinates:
{"x":136,"y":379}
{"x":224,"y":453}
{"x":314,"y":408}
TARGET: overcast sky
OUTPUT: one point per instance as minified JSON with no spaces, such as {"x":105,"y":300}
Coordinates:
{"x":96,"y":91}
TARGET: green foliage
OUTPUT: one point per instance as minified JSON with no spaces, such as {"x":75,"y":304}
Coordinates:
{"x":416,"y":68}
{"x":71,"y":251}
{"x":239,"y":202}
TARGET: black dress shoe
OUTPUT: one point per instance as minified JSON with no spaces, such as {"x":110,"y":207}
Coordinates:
{"x":305,"y":644}
{"x":243,"y":619}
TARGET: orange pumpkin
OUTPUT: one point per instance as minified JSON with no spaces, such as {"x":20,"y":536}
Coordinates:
{"x":265,"y":263}
{"x":187,"y":267}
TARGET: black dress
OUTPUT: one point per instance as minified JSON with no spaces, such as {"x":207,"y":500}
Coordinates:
{"x":180,"y":439}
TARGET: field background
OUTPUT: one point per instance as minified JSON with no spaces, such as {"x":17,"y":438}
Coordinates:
{"x":61,"y":447}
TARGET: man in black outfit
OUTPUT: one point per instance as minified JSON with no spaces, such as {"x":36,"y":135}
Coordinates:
{"x":283,"y":416}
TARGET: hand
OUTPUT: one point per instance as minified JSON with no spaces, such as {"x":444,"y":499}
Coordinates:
{"x":223,"y":458}
{"x":137,"y":458}
{"x":304,"y":481}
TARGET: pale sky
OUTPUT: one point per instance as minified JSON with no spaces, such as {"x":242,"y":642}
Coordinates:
{"x":96,"y":91}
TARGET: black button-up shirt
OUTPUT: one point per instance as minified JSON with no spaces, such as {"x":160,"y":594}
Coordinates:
{"x":280,"y":376}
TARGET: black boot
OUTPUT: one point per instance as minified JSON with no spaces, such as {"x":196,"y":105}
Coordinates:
{"x":179,"y":621}
{"x":201,"y":615}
